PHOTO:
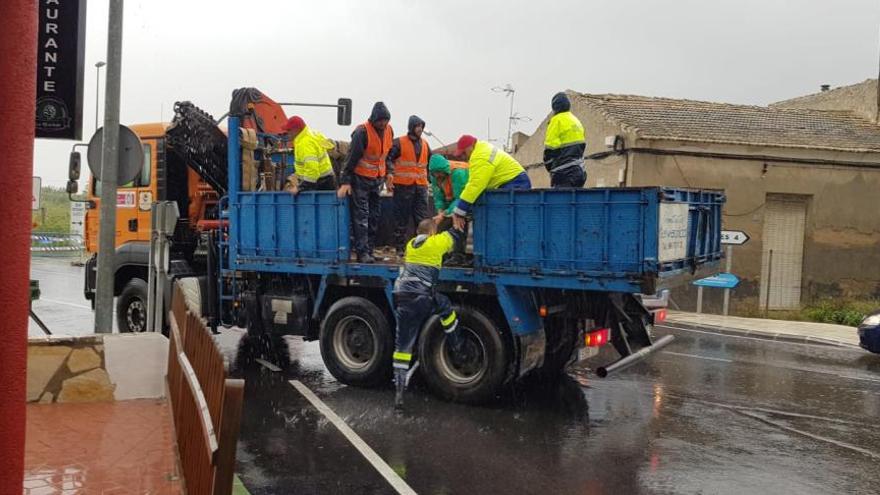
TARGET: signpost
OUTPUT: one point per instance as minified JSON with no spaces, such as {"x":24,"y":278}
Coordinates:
{"x":729,"y":238}
{"x":60,"y":61}
{"x":77,"y":219}
{"x":36,"y":196}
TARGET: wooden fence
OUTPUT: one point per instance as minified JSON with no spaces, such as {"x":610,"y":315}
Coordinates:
{"x":205,"y":404}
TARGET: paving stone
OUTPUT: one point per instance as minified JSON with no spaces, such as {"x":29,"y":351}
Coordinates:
{"x":43,"y":363}
{"x":83,"y":359}
{"x":92,"y":386}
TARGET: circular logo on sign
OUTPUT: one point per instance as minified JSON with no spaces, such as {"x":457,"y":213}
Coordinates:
{"x":52,"y":114}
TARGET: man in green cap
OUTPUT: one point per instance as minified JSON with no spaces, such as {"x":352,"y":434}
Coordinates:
{"x":448,"y":179}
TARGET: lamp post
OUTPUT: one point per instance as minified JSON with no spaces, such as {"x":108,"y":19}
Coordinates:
{"x":508,"y":91}
{"x":98,"y":66}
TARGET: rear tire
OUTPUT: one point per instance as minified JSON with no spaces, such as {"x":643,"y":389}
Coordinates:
{"x":357,"y":343}
{"x":131,"y":307}
{"x":474,"y":376}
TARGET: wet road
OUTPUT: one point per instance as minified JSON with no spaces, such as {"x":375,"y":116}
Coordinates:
{"x":710,"y":414}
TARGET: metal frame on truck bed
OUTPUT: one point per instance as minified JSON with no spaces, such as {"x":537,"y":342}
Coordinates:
{"x":550,"y":269}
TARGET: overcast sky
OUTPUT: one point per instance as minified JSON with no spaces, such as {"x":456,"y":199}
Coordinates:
{"x":440,"y":59}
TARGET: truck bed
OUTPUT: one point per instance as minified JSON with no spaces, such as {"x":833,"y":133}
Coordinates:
{"x":611,"y":239}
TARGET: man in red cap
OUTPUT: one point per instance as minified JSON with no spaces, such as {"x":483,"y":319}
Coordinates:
{"x":313,"y":170}
{"x":490,"y":168}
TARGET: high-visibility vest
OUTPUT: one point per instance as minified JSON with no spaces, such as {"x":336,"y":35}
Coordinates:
{"x":310,"y":154}
{"x":446,"y":185}
{"x":409,"y":169}
{"x":372,"y":163}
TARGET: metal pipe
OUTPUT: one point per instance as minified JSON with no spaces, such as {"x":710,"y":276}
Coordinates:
{"x":635,"y":357}
{"x":109,"y":171}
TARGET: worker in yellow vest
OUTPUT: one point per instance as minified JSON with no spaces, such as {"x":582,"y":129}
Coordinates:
{"x":313,"y":170}
{"x":408,"y":164}
{"x":488,"y":168}
{"x":564,"y":145}
{"x":363,"y":176}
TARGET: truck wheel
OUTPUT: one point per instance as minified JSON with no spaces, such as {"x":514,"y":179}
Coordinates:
{"x":478,"y":372}
{"x":357,"y":343}
{"x":131,"y":307}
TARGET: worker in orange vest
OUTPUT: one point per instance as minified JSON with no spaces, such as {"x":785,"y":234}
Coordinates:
{"x":408,"y":163}
{"x":363,"y":176}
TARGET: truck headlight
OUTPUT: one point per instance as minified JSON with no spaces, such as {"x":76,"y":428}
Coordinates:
{"x":872,"y":320}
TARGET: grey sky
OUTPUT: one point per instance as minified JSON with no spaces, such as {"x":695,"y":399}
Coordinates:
{"x":440,"y":59}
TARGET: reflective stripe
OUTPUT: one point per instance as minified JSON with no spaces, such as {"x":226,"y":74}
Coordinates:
{"x":312,"y":159}
{"x":575,"y":163}
{"x":402,"y":366}
{"x":565,"y":145}
{"x":451,"y":328}
{"x":492,"y":155}
{"x":313,"y":179}
{"x":403,"y":356}
{"x":448,"y":320}
{"x":460,"y":212}
{"x":368,"y":165}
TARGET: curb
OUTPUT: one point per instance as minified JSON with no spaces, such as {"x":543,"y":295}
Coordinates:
{"x":758,"y":334}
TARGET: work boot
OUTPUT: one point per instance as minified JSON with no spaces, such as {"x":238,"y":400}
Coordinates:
{"x":399,"y":387}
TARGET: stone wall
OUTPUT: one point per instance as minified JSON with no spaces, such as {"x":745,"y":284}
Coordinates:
{"x":96,"y":368}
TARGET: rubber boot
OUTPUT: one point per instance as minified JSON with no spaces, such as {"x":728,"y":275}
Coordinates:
{"x":399,"y":387}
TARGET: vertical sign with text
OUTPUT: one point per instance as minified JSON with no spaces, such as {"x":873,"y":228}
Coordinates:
{"x":60,"y":65}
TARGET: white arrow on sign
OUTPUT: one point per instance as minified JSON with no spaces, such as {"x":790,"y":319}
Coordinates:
{"x":734,"y":237}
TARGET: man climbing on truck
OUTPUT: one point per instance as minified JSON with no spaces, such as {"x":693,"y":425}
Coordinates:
{"x":448,"y":179}
{"x":564,"y":145}
{"x":363,"y":176}
{"x":313,"y":170}
{"x":415,"y":298}
{"x":408,"y":164}
{"x":489,"y":168}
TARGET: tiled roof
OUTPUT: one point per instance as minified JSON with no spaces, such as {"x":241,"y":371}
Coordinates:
{"x":707,"y":122}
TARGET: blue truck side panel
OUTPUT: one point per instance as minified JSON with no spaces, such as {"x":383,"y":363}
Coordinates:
{"x":310,"y":227}
{"x":580,"y":239}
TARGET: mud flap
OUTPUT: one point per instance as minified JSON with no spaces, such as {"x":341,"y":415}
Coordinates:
{"x":527,"y":326}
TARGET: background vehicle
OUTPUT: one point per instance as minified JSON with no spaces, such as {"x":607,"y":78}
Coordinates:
{"x":554,"y":271}
{"x":869,"y":332}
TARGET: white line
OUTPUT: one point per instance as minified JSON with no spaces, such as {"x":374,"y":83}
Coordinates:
{"x":698,"y":357}
{"x":266,"y":364}
{"x":55,"y":301}
{"x":833,"y":345}
{"x":384,"y":469}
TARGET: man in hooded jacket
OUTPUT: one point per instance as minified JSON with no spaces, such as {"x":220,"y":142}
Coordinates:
{"x":408,"y":164}
{"x":564,"y":146}
{"x":363,"y":176}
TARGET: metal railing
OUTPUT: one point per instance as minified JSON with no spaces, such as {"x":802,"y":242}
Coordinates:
{"x":206,"y":406}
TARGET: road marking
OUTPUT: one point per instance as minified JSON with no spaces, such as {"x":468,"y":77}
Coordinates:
{"x":841,"y":346}
{"x":698,"y":357}
{"x":372,"y":457}
{"x":55,"y":301}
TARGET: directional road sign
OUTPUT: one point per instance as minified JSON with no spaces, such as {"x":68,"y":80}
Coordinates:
{"x":734,"y":237}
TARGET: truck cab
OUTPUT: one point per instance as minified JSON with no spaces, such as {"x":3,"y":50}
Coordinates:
{"x":164,"y":176}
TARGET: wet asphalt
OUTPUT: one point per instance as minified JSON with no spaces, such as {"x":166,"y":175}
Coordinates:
{"x":708,"y":414}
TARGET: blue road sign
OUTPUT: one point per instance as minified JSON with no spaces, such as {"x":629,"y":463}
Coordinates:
{"x":719,"y":280}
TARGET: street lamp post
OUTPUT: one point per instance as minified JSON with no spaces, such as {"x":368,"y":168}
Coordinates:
{"x":508,"y":91}
{"x":98,"y":66}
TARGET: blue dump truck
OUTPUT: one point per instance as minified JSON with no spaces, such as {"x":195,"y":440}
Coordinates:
{"x":553,"y":271}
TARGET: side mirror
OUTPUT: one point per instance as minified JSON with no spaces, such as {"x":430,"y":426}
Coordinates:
{"x":343,"y":111}
{"x":72,"y":186}
{"x":74,"y":166}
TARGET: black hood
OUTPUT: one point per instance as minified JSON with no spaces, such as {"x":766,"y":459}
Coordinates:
{"x":560,"y":103}
{"x":380,"y":112}
{"x":414,"y":121}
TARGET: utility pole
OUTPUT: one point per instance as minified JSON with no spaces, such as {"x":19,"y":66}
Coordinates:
{"x":98,"y":66}
{"x":508,"y":91}
{"x":110,"y":168}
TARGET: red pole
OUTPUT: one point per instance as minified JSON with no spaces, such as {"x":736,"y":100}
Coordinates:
{"x":18,"y":44}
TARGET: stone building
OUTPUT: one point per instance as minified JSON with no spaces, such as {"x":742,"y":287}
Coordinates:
{"x":802,"y":178}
